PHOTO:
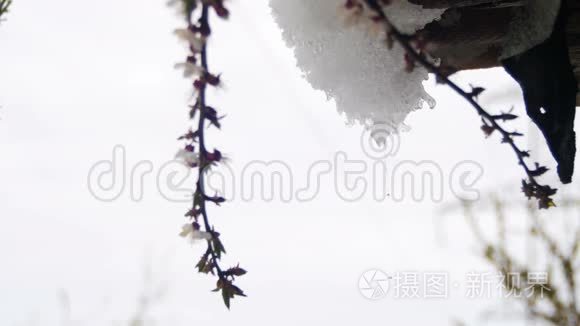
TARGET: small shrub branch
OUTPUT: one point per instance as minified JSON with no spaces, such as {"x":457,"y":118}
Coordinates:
{"x":491,"y":123}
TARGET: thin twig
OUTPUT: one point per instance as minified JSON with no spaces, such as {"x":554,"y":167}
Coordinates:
{"x":197,"y":34}
{"x":204,"y":20}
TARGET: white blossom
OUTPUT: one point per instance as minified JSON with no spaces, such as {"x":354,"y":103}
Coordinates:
{"x":177,"y":5}
{"x":187,"y":157}
{"x":188,"y":232}
{"x":190,"y":37}
{"x":189,"y":69}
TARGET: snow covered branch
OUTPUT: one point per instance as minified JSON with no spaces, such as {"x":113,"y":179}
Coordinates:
{"x":195,"y":153}
{"x":415,"y":54}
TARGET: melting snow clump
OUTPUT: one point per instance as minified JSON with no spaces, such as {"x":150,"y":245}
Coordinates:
{"x":355,"y":68}
{"x":366,"y":79}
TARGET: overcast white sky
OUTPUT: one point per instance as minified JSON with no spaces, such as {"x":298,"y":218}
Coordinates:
{"x":80,"y":77}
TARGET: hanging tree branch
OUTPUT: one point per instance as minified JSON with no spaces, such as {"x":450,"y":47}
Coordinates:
{"x":195,"y":153}
{"x":491,"y":123}
{"x":4,"y":6}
